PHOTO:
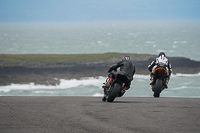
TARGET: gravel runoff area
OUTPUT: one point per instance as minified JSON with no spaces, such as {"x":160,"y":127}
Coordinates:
{"x":39,"y":114}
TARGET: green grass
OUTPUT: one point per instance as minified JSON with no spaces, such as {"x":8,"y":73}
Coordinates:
{"x":55,"y":58}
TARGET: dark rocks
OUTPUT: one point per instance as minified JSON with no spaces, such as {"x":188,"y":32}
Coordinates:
{"x":50,"y":73}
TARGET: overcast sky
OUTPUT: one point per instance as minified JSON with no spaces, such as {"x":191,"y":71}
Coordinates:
{"x":98,"y":10}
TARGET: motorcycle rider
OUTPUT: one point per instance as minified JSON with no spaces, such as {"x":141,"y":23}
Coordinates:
{"x":124,"y":67}
{"x":163,"y":61}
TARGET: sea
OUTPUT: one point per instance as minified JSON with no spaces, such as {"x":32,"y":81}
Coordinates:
{"x":175,"y":39}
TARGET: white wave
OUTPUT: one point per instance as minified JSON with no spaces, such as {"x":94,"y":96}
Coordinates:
{"x":99,"y":41}
{"x":30,"y":86}
{"x":180,"y":88}
{"x":185,"y":75}
{"x":150,"y":42}
{"x":97,"y":95}
{"x":43,"y":92}
{"x":82,"y":82}
{"x":174,"y":46}
{"x":73,"y":83}
{"x":138,"y":76}
{"x":64,"y":84}
{"x":183,"y":42}
{"x":176,"y":42}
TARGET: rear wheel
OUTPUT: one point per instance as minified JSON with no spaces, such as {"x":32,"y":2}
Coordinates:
{"x":114,"y":92}
{"x":158,"y":87}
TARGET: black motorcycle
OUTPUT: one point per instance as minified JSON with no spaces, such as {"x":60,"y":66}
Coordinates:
{"x":160,"y":74}
{"x":116,"y":88}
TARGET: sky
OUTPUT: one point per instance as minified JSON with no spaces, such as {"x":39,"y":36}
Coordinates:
{"x":97,"y":11}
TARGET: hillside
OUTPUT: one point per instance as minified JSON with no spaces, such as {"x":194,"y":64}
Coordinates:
{"x":48,"y":69}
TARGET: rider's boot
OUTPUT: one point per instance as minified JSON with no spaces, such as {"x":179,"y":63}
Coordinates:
{"x":152,"y":80}
{"x":122,"y":91}
{"x":165,"y":83}
{"x":105,"y":95}
{"x":104,"y":98}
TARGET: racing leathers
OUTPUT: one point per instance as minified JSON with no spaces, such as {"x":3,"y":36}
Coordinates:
{"x":160,"y":61}
{"x":125,"y":68}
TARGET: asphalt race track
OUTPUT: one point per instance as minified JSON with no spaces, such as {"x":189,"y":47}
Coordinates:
{"x":39,"y":114}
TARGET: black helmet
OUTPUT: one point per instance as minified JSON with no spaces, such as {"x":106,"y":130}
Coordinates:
{"x":161,"y":53}
{"x":126,"y":58}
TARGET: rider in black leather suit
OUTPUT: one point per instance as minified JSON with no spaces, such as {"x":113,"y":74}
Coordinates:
{"x":124,"y":67}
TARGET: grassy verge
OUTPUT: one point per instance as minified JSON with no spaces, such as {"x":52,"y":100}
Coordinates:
{"x":55,"y":58}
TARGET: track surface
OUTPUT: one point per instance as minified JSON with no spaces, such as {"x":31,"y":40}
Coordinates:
{"x":90,"y":114}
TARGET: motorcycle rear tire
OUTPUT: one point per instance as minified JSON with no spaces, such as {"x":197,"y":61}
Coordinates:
{"x":158,"y":87}
{"x":114,"y":92}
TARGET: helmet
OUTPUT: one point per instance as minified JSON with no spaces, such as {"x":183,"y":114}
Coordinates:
{"x":161,"y":53}
{"x":126,"y":58}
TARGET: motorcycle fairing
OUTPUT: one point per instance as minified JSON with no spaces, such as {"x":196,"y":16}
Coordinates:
{"x":159,"y":71}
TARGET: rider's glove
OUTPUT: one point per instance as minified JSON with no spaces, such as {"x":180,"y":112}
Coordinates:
{"x":150,"y":69}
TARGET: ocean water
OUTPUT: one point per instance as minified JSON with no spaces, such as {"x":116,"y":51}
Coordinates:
{"x":174,"y":39}
{"x":180,"y":85}
{"x":182,"y":40}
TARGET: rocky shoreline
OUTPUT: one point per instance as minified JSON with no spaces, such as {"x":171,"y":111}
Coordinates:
{"x":50,"y":73}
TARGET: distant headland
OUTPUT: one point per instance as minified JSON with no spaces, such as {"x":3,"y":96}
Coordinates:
{"x":49,"y":68}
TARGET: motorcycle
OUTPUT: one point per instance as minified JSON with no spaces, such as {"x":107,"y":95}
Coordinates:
{"x":116,"y":88}
{"x":160,"y":74}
